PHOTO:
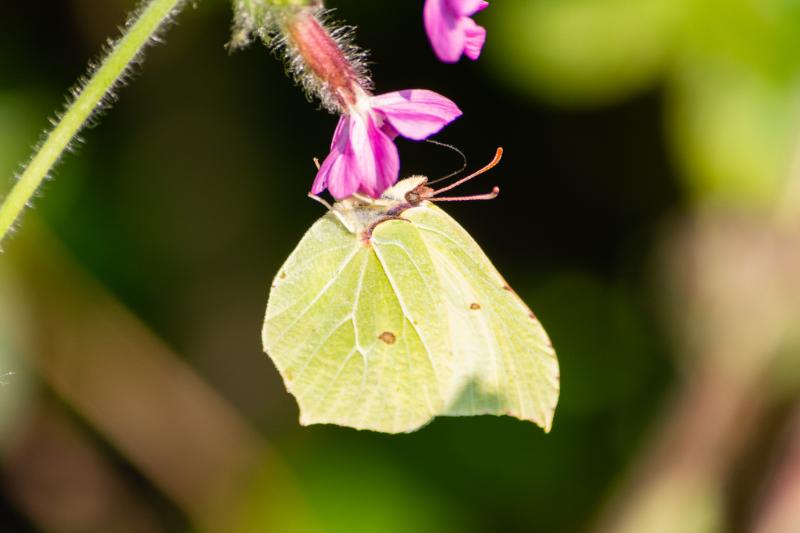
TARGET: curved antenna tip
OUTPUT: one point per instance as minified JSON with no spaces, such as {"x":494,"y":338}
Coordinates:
{"x":497,"y":157}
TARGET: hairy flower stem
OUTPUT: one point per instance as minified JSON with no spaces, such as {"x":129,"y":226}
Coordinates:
{"x":322,"y":57}
{"x":318,"y":52}
{"x":255,"y":17}
{"x":139,"y":32}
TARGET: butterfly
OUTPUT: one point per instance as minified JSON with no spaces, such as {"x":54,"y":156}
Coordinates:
{"x":388,"y":314}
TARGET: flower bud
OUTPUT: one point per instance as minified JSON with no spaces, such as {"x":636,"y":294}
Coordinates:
{"x":324,"y":61}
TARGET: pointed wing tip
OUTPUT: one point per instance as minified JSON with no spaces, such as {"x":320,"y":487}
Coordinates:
{"x":551,"y":412}
{"x":548,"y":424}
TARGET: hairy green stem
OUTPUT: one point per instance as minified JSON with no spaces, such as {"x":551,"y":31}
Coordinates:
{"x":138,"y":33}
{"x":254,"y":18}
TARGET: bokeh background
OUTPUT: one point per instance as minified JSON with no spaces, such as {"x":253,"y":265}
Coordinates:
{"x":649,"y":216}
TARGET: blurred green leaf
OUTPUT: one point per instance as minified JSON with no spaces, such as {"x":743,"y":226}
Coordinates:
{"x":583,"y":52}
{"x":353,"y":493}
{"x":733,"y":100}
{"x":731,"y":66}
{"x":734,"y":132}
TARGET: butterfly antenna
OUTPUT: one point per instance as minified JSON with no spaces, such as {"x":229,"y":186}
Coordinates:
{"x":456,"y":150}
{"x":488,"y":196}
{"x":497,"y":157}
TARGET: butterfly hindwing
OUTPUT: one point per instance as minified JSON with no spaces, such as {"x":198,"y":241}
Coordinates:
{"x":507,"y":362}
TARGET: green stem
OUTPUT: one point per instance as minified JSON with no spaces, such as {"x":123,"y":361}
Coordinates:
{"x":254,"y":17}
{"x":154,"y":14}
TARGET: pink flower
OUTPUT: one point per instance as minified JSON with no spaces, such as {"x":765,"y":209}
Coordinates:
{"x":451,"y":30}
{"x":363,"y":156}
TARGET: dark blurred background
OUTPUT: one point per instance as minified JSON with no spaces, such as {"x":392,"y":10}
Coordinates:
{"x":132,"y":295}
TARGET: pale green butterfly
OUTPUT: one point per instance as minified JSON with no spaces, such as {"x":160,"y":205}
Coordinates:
{"x":388,"y":314}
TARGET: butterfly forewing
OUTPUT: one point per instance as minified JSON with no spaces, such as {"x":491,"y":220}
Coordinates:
{"x":414,"y":323}
{"x":350,"y":348}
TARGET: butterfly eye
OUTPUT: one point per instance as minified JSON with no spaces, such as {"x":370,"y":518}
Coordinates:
{"x":412,"y":197}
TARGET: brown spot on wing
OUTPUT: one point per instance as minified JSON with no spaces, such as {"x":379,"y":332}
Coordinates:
{"x":282,"y":275}
{"x":388,"y":337}
{"x":475,"y":306}
{"x":507,"y":288}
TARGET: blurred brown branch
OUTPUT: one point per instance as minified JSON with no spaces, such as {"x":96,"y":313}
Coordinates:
{"x":61,"y":482}
{"x":140,"y":396}
{"x":734,"y":297}
{"x":780,"y":510}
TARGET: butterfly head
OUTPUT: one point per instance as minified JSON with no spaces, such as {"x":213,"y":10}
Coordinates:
{"x":409,"y":192}
{"x":412,"y":191}
{"x":360,"y":214}
{"x":405,"y":188}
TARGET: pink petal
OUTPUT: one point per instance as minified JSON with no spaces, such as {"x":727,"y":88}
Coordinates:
{"x":376,"y":158}
{"x":451,"y":31}
{"x":331,"y":171}
{"x":416,"y":113}
{"x":475,"y":38}
{"x":467,"y":7}
{"x":342,"y":180}
{"x":338,"y":172}
{"x":441,"y":24}
{"x":363,"y":158}
{"x":323,"y":175}
{"x":341,"y":133}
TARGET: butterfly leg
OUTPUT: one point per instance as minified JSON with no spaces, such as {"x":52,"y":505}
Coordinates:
{"x":371,"y":228}
{"x":346,"y":223}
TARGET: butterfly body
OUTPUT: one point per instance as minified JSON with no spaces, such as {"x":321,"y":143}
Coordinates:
{"x":360,"y":214}
{"x":388,"y":314}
